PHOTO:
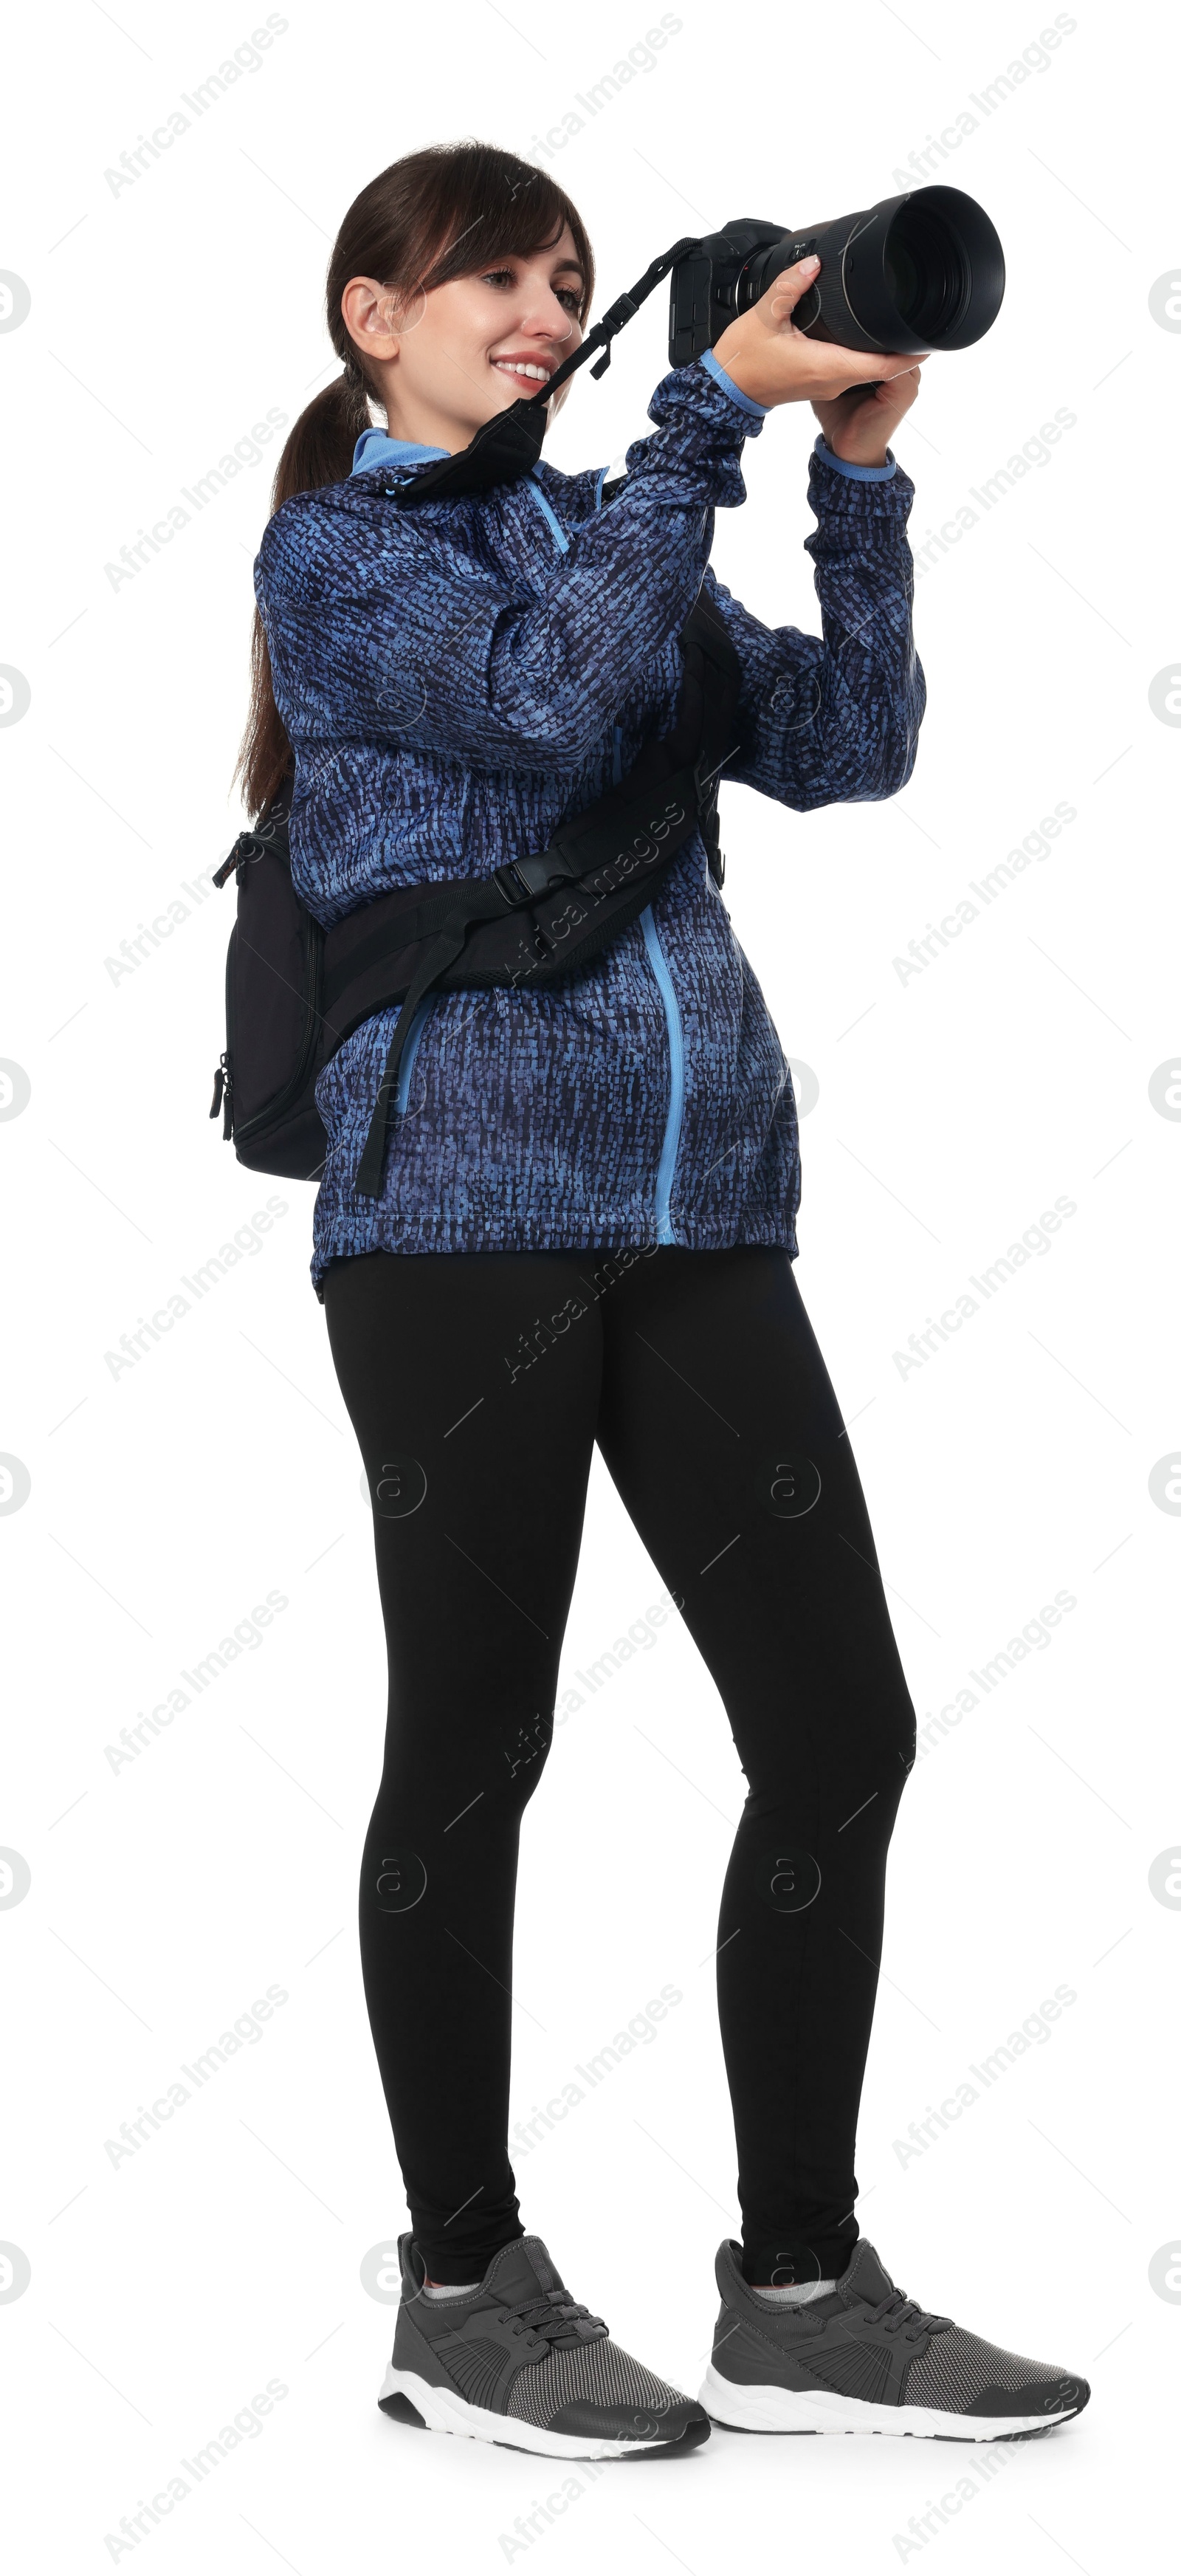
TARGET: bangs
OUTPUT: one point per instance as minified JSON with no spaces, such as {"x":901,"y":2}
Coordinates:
{"x":482,"y":205}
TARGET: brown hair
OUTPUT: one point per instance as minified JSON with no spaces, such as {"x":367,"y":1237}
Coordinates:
{"x":435,"y":215}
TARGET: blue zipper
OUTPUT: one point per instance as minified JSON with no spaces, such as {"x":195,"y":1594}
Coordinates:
{"x":557,"y":531}
{"x":410,"y":1049}
{"x":666,"y":1170}
{"x":665,"y":1229}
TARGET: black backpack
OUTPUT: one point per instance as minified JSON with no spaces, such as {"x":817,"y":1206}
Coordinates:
{"x":295,"y":991}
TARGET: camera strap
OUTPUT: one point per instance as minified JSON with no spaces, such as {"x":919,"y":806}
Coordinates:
{"x":509,"y":444}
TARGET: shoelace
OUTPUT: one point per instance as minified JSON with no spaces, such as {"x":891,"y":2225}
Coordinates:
{"x":901,"y":2315}
{"x":558,"y":2319}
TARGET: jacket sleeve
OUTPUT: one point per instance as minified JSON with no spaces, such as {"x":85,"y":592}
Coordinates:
{"x":834,"y":719}
{"x":386,"y":625}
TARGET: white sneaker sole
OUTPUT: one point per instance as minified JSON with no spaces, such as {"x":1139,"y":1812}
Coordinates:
{"x":443,"y":2410}
{"x":794,"y":2410}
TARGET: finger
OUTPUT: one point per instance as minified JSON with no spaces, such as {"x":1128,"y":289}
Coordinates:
{"x":868,"y":367}
{"x":884,"y":385}
{"x":785,"y":291}
{"x":907,"y":382}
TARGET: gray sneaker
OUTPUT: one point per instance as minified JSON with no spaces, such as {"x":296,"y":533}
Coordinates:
{"x":519,"y":2362}
{"x":866,"y":2359}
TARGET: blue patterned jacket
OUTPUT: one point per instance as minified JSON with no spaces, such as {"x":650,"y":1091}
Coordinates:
{"x":458,"y":679}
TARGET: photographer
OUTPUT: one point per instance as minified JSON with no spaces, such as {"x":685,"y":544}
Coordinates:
{"x":585,"y":1231}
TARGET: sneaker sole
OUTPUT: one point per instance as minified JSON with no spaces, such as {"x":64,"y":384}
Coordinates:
{"x":795,"y":2410}
{"x":411,"y":2400}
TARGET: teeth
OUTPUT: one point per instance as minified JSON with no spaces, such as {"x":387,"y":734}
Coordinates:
{"x":515,"y":367}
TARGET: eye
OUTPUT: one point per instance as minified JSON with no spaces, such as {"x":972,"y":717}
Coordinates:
{"x":569,"y":296}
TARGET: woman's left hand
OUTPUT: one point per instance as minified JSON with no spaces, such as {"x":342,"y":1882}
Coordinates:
{"x":858,"y":424}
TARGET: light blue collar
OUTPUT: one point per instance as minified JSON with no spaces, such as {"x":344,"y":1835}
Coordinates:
{"x":376,"y":447}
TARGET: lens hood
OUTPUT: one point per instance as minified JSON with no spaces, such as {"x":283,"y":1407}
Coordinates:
{"x":924,"y":270}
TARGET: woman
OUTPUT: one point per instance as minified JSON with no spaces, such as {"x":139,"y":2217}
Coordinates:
{"x":585,"y":1232}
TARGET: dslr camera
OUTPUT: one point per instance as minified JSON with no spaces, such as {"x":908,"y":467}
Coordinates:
{"x":916,"y":272}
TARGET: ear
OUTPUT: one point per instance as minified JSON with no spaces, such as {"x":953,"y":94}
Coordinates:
{"x":376,"y":317}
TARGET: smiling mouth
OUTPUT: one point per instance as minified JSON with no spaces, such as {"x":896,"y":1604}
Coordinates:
{"x":523,"y":371}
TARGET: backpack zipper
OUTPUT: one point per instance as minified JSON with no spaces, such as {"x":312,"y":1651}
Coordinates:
{"x":223,"y":1090}
{"x":223,"y":1080}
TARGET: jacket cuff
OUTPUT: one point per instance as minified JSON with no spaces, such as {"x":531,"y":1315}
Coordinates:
{"x":702,"y":425}
{"x":720,"y":377}
{"x":857,"y":473}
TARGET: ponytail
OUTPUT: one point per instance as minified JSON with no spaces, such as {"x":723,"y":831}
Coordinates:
{"x":433,"y":216}
{"x":318,"y":451}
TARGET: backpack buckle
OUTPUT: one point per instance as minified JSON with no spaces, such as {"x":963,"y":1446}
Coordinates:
{"x":523,"y":880}
{"x":509,"y":882}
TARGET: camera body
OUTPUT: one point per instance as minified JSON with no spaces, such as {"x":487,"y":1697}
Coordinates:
{"x":917,"y":272}
{"x":711,"y":286}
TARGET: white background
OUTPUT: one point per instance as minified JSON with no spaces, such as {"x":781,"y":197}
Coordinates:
{"x":164,"y":1502}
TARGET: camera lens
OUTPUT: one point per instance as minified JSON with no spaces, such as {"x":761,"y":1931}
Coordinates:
{"x":924,"y":271}
{"x":927,"y":276}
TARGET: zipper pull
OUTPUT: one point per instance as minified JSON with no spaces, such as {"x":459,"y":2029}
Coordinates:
{"x":234,"y":861}
{"x":223,"y":1090}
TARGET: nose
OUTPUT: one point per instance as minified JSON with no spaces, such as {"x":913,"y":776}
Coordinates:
{"x":550,"y":321}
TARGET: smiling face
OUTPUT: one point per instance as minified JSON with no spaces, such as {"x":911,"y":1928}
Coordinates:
{"x":449,"y":358}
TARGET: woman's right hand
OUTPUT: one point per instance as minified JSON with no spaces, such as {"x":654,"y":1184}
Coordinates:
{"x":772,"y":363}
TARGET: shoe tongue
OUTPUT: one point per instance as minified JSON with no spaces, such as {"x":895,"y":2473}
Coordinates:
{"x":523,"y":2271}
{"x":866,"y":2278}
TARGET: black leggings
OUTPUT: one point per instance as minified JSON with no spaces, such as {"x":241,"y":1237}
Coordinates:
{"x":478,"y":1384}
